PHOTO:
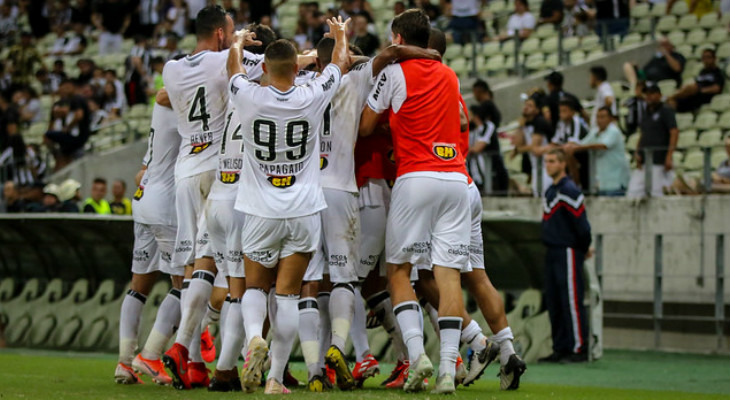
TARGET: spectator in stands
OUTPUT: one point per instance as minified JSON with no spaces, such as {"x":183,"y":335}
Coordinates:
{"x":466,"y":20}
{"x":531,"y":137}
{"x":120,"y":205}
{"x":12,"y":200}
{"x":709,"y":82}
{"x":637,"y":108}
{"x":51,"y":201}
{"x":316,"y":28}
{"x":556,"y":94}
{"x":86,"y":70}
{"x":551,"y":12}
{"x":9,"y":121}
{"x":70,"y":195}
{"x":484,"y":96}
{"x":149,"y":16}
{"x":578,"y":18}
{"x":111,"y":18}
{"x":571,"y":128}
{"x":520,"y":24}
{"x":96,"y":204}
{"x":8,"y":25}
{"x":604,"y":92}
{"x":69,"y":127}
{"x":176,"y":17}
{"x":666,"y":64}
{"x":81,"y":13}
{"x":194,"y":7}
{"x":696,"y":7}
{"x":721,"y":176}
{"x":110,"y":101}
{"x":171,"y":46}
{"x":260,"y":9}
{"x":45,"y":82}
{"x":137,"y":72}
{"x":607,"y":142}
{"x":612,"y":16}
{"x":28,"y":105}
{"x":24,"y":58}
{"x":659,"y":134}
{"x":366,"y":41}
{"x":5,"y":78}
{"x":484,"y":141}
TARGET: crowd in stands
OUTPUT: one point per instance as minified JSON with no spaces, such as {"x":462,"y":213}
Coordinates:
{"x":93,"y":79}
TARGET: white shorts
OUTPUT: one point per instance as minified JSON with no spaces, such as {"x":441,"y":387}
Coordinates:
{"x":339,"y":251}
{"x":374,"y":201}
{"x":220,"y":281}
{"x":153,"y":245}
{"x":659,"y":180}
{"x":225,"y":225}
{"x":428,"y":222}
{"x":267,"y":240}
{"x":476,"y":244}
{"x":192,"y":238}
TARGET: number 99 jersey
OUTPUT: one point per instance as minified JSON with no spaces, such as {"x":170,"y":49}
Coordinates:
{"x":280,"y":176}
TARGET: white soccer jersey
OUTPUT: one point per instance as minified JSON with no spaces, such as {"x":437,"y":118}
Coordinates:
{"x":340,"y":129}
{"x":154,"y":200}
{"x":230,"y":159}
{"x":280,"y":175}
{"x":197,"y":87}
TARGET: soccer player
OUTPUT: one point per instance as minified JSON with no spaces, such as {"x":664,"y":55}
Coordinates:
{"x":280,"y":192}
{"x":155,"y":226}
{"x":429,"y":219}
{"x":197,"y":86}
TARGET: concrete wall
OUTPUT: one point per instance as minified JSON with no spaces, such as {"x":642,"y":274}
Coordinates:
{"x":507,"y":94}
{"x":628,"y":230}
{"x":123,"y":163}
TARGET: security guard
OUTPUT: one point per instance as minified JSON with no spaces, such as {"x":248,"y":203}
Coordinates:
{"x":567,"y":235}
{"x":96,"y":203}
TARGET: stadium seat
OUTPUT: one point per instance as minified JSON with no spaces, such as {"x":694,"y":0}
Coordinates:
{"x":684,"y":121}
{"x":667,"y":86}
{"x":508,"y":48}
{"x":666,"y":23}
{"x":694,"y":161}
{"x":530,"y":46}
{"x":552,"y":61}
{"x":537,"y":328}
{"x":577,"y":57}
{"x":687,"y":139}
{"x":687,"y":22}
{"x":469,"y":50}
{"x":710,"y":138}
{"x":495,"y":63}
{"x":459,"y":65}
{"x":544,"y":31}
{"x":723,"y":51}
{"x":490,"y":48}
{"x":527,"y":305}
{"x":571,"y":43}
{"x":718,"y":157}
{"x":595,"y":54}
{"x":705,"y":121}
{"x":453,"y":51}
{"x":724,"y":121}
{"x":658,"y":10}
{"x":631,"y":39}
{"x":138,"y":111}
{"x":640,"y":10}
{"x":534,"y":61}
{"x":590,"y":42}
{"x":643,"y":25}
{"x":632,"y":142}
{"x":549,"y":45}
{"x":720,"y":103}
{"x":680,"y":8}
{"x":676,"y":37}
{"x":709,"y":20}
{"x":696,"y":37}
{"x":717,"y":35}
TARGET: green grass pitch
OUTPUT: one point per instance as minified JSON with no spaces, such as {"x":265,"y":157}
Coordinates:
{"x":28,"y":374}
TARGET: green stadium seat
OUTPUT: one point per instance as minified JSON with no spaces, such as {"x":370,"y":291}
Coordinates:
{"x":643,"y":25}
{"x":470,"y":50}
{"x":667,"y":86}
{"x":590,"y":42}
{"x":723,"y":50}
{"x":640,"y":10}
{"x":687,"y":22}
{"x":710,"y":138}
{"x":481,"y":64}
{"x":138,"y":111}
{"x":696,"y":37}
{"x":571,"y":43}
{"x":717,"y":35}
{"x":595,"y":54}
{"x":539,"y":332}
{"x":577,"y":57}
{"x":718,"y":157}
{"x":549,"y":45}
{"x":495,"y":63}
{"x":530,"y":46}
{"x":694,"y":161}
{"x":680,"y":8}
{"x":684,"y":121}
{"x":676,"y":37}
{"x":724,"y":121}
{"x":631,"y":39}
{"x":658,"y":10}
{"x":453,"y":51}
{"x":552,"y":61}
{"x":459,"y":65}
{"x":705,"y":121}
{"x":489,"y":49}
{"x":709,"y":21}
{"x":535,"y":62}
{"x":544,"y":31}
{"x":666,"y":23}
{"x":687,"y":139}
{"x":508,"y":48}
{"x":720,"y":103}
{"x":677,"y":158}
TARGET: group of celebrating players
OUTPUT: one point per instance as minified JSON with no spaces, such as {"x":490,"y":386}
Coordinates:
{"x":281,"y":178}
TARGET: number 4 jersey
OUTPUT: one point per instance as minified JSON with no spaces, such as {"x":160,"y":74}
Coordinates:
{"x":280,"y":176}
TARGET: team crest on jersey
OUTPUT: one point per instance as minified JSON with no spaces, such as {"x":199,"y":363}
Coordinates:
{"x":323,"y":162}
{"x":229,"y":177}
{"x":139,"y":193}
{"x":445,"y":151}
{"x":198,"y":148}
{"x":282,"y":182}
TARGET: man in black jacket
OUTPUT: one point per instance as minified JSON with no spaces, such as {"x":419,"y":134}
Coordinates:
{"x":567,"y":235}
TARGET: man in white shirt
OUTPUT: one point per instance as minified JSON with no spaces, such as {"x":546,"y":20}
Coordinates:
{"x":604,"y":92}
{"x":520,"y":24}
{"x":280,"y":192}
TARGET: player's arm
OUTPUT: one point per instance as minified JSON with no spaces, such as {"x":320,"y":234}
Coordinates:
{"x":399,"y":53}
{"x":463,"y":119}
{"x":241,"y":39}
{"x":368,"y":121}
{"x":140,"y":175}
{"x":162,"y":98}
{"x":340,"y":54}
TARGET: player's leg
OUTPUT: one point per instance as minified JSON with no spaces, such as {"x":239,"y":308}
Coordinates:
{"x":578,"y":326}
{"x":555,"y":265}
{"x":226,"y":378}
{"x":144,"y":275}
{"x":309,"y":324}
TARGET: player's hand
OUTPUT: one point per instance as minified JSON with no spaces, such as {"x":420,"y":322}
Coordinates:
{"x":668,"y":163}
{"x":337,"y":27}
{"x":244,"y":38}
{"x":589,"y":253}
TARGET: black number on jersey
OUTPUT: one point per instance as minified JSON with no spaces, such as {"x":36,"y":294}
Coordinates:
{"x":150,"y":144}
{"x":235,"y":135}
{"x":327,"y":120}
{"x":297,"y":133}
{"x":199,"y":109}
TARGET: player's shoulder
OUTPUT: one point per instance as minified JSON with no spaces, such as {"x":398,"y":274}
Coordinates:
{"x":569,"y":189}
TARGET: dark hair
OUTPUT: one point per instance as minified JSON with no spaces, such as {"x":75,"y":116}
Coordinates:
{"x":355,"y":50}
{"x":606,"y":109}
{"x":264,"y":34}
{"x":437,"y":41}
{"x":279,"y":52}
{"x":324,"y":50}
{"x":568,"y":103}
{"x":555,"y":78}
{"x":558,"y":152}
{"x":483,"y":85}
{"x":99,"y":180}
{"x":600,"y":73}
{"x":711,"y":51}
{"x":58,"y":62}
{"x":157,"y":60}
{"x":209,"y":19}
{"x":413,"y":26}
{"x":524,"y":3}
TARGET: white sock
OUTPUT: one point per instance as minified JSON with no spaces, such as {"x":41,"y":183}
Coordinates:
{"x":359,"y":330}
{"x":408,"y":314}
{"x":194,"y":349}
{"x":342,"y":308}
{"x":166,"y":321}
{"x":271,"y":302}
{"x":253,"y":310}
{"x":504,"y":339}
{"x":309,"y":334}
{"x":473,"y":336}
{"x":433,"y":316}
{"x":450,"y":328}
{"x":194,"y":306}
{"x":224,"y":314}
{"x":325,"y":331}
{"x":184,"y":292}
{"x":130,"y":315}
{"x":212,"y":316}
{"x":232,"y":339}
{"x":380,"y":304}
{"x":286,"y":322}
